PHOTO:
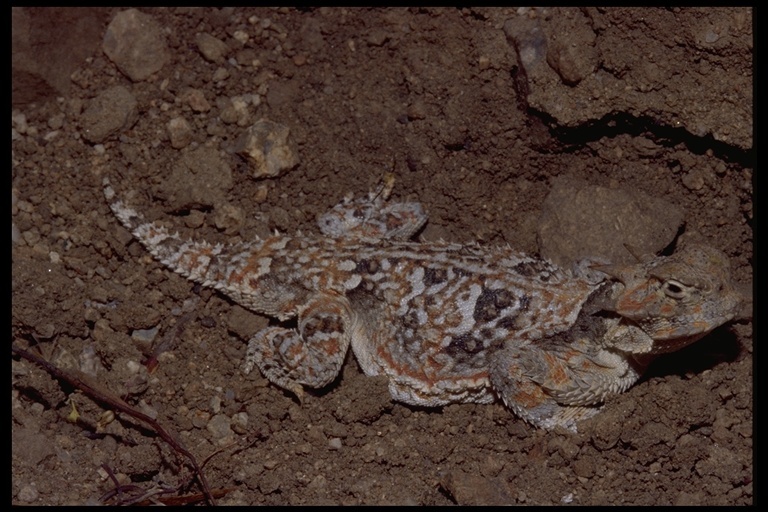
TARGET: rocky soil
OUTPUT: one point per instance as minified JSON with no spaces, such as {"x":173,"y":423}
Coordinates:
{"x":496,"y":120}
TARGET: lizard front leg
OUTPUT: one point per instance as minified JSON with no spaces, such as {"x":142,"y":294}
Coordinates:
{"x":560,"y":381}
{"x":310,"y":355}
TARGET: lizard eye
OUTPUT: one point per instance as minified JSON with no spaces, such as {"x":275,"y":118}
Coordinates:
{"x":673,"y":289}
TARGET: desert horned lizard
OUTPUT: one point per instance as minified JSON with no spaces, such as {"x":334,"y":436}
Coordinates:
{"x":449,"y":323}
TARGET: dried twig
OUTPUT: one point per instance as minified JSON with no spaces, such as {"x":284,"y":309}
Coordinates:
{"x":170,"y":339}
{"x":84,"y":383}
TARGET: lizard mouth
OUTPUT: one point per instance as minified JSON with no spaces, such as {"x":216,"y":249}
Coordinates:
{"x":664,"y":346}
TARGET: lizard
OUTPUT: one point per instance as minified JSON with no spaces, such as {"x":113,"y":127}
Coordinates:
{"x":450,"y":323}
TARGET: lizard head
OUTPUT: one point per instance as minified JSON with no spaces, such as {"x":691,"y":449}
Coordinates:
{"x":677,"y":299}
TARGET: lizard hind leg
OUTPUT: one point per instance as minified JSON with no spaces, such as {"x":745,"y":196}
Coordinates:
{"x":373,"y":216}
{"x":310,"y":355}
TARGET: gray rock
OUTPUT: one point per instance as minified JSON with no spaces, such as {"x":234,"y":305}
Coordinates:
{"x":580,"y":220}
{"x":268,"y":148}
{"x":180,"y":132}
{"x":213,"y":49}
{"x":114,"y":110}
{"x":135,"y":42}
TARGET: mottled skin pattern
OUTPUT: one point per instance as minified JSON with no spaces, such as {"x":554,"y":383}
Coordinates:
{"x":448,"y":323}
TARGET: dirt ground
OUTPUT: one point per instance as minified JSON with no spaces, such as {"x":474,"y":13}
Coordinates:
{"x":476,"y":112}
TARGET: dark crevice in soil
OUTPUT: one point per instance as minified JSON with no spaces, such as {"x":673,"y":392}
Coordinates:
{"x":622,"y":123}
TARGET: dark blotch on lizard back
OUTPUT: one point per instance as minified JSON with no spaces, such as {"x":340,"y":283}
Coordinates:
{"x":434,"y":276}
{"x":490,"y":304}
